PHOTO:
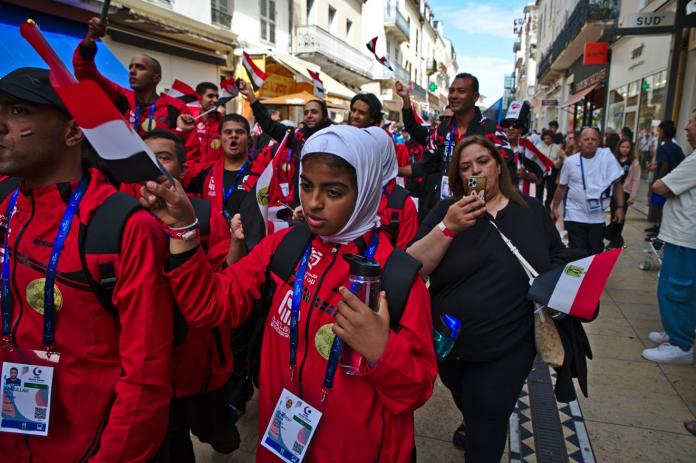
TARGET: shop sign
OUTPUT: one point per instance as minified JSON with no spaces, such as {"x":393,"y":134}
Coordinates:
{"x":596,"y":53}
{"x":686,"y":13}
{"x":591,"y":80}
{"x":654,"y":19}
{"x":549,"y":102}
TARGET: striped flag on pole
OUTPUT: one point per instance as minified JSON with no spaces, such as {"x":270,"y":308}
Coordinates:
{"x":263,"y":185}
{"x":256,"y":75}
{"x":184,"y":92}
{"x":372,"y":46}
{"x":126,"y":155}
{"x":575,"y":289}
{"x":319,"y":90}
{"x":229,"y":90}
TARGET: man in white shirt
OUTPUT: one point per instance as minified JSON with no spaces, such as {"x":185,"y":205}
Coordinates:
{"x":584,"y":187}
{"x":548,"y":182}
{"x":676,"y":289}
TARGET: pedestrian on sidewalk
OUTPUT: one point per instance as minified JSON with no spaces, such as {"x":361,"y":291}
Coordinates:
{"x":631,"y":183}
{"x":555,"y":153}
{"x":676,"y":288}
{"x":585,"y":184}
{"x":475,"y":278}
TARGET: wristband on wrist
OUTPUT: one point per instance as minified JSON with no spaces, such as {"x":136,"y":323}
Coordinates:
{"x":446,"y":231}
{"x":185,"y":233}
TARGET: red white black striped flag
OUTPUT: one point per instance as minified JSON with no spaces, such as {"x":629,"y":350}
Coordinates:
{"x":256,"y":75}
{"x":372,"y":46}
{"x":184,"y":92}
{"x":575,"y":289}
{"x":319,"y":90}
{"x":229,"y":90}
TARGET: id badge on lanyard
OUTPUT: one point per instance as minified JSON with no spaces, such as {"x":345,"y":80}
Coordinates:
{"x":445,"y":188}
{"x":291,"y":428}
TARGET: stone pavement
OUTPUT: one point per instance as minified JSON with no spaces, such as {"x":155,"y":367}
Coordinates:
{"x":635,"y":409}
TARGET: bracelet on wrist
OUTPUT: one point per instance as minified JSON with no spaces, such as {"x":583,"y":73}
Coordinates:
{"x":185,"y":233}
{"x":446,"y":231}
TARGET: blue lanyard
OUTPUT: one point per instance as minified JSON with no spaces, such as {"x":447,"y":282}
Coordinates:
{"x":230,"y":190}
{"x":51,"y":270}
{"x":287,"y":165}
{"x":450,"y":144}
{"x":337,"y":345}
{"x":582,"y":172}
{"x":137,"y":117}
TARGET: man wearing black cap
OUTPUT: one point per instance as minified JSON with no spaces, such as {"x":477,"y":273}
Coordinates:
{"x":111,"y":383}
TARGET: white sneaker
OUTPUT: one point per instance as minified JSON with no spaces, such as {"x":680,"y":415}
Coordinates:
{"x":658,"y":337}
{"x":667,"y":353}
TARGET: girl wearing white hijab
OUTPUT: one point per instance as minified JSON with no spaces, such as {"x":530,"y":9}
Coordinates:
{"x":397,"y":211}
{"x":365,"y":417}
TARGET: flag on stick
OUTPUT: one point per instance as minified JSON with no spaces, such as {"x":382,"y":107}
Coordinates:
{"x":229,"y":91}
{"x":256,"y":75}
{"x":575,"y":289}
{"x":372,"y":46}
{"x":319,"y":90}
{"x":125,"y":153}
{"x":184,"y":92}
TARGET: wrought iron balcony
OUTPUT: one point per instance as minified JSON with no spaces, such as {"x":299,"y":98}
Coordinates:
{"x":395,"y":23}
{"x":586,"y":12}
{"x":338,"y":58}
{"x":221,"y":18}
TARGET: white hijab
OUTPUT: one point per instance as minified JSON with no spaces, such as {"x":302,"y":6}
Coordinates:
{"x":359,"y":149}
{"x":385,"y":145}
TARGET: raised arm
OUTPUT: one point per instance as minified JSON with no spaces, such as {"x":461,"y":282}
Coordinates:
{"x":274,"y":129}
{"x":418,"y":133}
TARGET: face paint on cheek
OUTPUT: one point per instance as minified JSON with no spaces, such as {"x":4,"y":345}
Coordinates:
{"x":25,"y":132}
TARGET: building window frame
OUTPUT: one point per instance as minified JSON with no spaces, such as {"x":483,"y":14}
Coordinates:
{"x":267,"y":20}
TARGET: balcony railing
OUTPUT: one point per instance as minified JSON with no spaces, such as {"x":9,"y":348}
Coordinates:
{"x":394,"y":17}
{"x":314,"y":39}
{"x":221,"y":18}
{"x":585,"y":11}
{"x":420,"y":93}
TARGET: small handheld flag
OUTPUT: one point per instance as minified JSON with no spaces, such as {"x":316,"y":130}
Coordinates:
{"x":184,"y":92}
{"x":256,"y":75}
{"x":575,"y":289}
{"x":229,"y":90}
{"x":104,"y":10}
{"x":372,"y":46}
{"x":319,"y":90}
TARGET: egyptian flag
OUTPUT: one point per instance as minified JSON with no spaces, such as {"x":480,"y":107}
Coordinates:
{"x":256,"y":75}
{"x":372,"y":46}
{"x":229,"y":91}
{"x":269,"y":211}
{"x":533,"y":154}
{"x":125,"y":154}
{"x":184,"y":92}
{"x":319,"y":90}
{"x":575,"y":289}
{"x":416,"y":116}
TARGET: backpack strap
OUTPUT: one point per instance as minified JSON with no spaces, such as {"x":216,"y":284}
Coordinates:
{"x":7,"y":186}
{"x":290,"y":250}
{"x":103,"y":236}
{"x":202,"y":209}
{"x":398,"y":275}
{"x":395,"y":202}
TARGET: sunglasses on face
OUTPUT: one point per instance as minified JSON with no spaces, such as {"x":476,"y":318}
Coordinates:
{"x":512,"y":125}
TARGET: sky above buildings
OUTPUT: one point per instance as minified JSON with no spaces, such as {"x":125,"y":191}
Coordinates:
{"x":482,"y":34}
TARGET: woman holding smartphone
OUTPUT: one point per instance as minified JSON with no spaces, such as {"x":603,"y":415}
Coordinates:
{"x":475,"y":278}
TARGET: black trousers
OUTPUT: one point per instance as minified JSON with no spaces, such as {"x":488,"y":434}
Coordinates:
{"x":587,"y":237}
{"x":614,"y":230}
{"x":486,"y":393}
{"x":547,"y":183}
{"x":209,"y":417}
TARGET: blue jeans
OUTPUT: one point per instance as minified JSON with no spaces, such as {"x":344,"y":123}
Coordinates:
{"x":676,"y":294}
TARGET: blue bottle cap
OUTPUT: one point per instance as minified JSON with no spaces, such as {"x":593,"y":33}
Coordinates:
{"x":453,"y":324}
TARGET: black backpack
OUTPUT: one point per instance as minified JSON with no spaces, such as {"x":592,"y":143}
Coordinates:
{"x":395,"y":202}
{"x":398,"y":275}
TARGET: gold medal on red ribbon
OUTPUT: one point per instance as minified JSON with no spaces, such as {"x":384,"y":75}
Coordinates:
{"x":149,"y":125}
{"x":215,"y":143}
{"x":35,"y":295}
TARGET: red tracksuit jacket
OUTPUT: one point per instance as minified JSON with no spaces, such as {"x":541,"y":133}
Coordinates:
{"x":408,"y":217}
{"x":366,"y":418}
{"x":208,"y":131}
{"x":167,"y":109}
{"x":112,"y":387}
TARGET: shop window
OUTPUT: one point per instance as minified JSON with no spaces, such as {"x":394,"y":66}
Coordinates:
{"x":267,"y":18}
{"x":652,"y":100}
{"x":617,"y":108}
{"x":633,"y":92}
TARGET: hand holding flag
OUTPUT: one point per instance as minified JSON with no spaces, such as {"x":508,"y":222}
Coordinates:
{"x":126,"y":154}
{"x":229,"y":90}
{"x":256,"y":75}
{"x":575,"y":289}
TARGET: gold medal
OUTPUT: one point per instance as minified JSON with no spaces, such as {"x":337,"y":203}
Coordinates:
{"x":286,"y":167}
{"x":215,"y":143}
{"x":35,"y":295}
{"x":324,"y":339}
{"x":148,"y":126}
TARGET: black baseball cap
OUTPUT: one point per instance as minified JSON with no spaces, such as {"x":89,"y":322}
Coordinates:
{"x":31,"y":85}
